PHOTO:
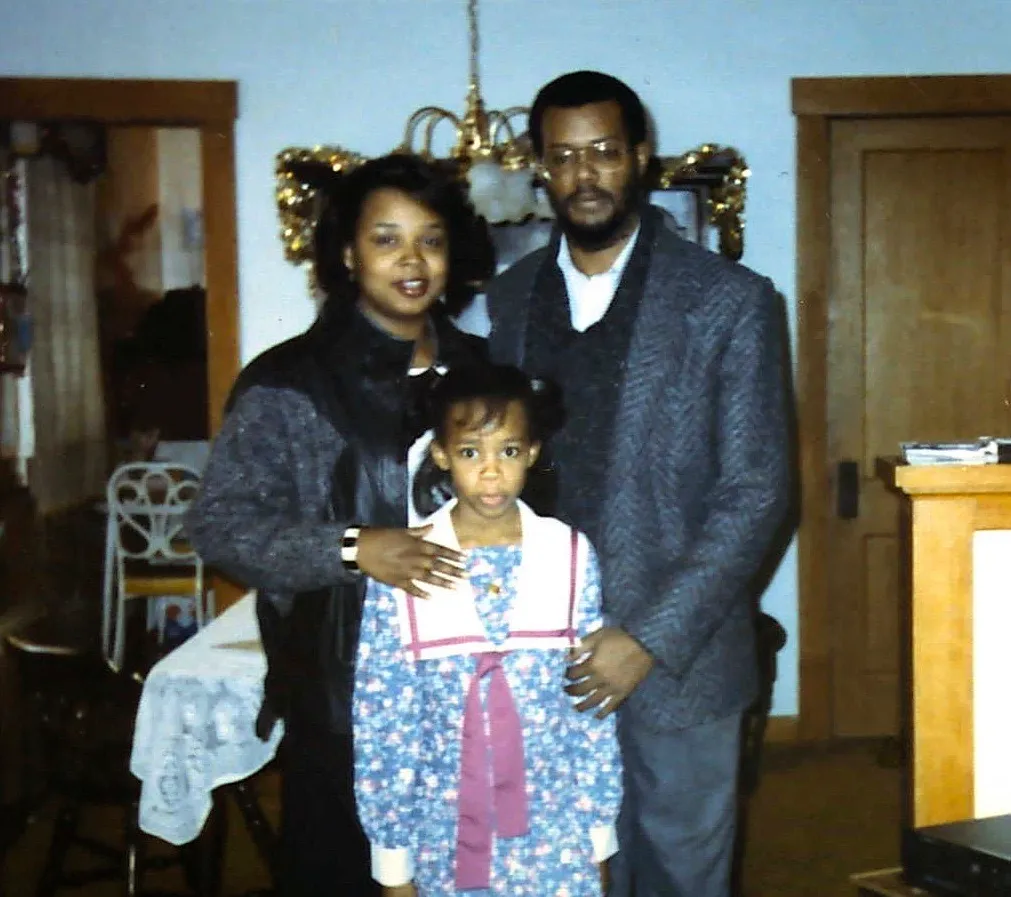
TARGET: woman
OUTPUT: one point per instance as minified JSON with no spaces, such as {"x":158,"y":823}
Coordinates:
{"x":307,"y":488}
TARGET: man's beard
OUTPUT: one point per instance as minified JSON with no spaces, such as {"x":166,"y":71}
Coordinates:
{"x":594,"y":237}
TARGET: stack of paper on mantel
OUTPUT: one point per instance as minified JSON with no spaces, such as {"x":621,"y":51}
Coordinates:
{"x":984,"y":450}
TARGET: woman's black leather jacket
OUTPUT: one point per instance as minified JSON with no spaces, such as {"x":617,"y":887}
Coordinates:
{"x":314,"y":440}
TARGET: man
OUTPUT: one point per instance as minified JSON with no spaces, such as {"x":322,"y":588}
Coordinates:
{"x":673,"y":459}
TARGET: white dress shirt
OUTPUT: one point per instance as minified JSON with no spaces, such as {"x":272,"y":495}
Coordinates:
{"x":590,"y":296}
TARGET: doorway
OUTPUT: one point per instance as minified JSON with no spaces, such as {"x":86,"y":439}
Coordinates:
{"x":903,"y":293}
{"x":209,"y":108}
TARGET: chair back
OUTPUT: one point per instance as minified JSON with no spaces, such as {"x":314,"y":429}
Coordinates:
{"x":147,"y":552}
{"x":147,"y":502}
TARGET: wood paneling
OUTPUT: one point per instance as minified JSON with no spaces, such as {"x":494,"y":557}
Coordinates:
{"x":812,"y":326}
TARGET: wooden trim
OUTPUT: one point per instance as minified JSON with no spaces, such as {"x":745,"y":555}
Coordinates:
{"x":221,"y":255}
{"x":942,"y":671}
{"x":815,"y":658}
{"x":939,"y":676}
{"x":782,"y":730}
{"x":902,"y":95}
{"x":113,"y":101}
{"x":992,"y":512}
{"x":946,"y":479}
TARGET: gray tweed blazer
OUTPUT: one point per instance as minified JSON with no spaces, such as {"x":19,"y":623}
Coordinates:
{"x":699,"y":471}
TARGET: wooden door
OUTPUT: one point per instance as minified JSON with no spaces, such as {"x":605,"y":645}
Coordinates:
{"x":918,"y":348}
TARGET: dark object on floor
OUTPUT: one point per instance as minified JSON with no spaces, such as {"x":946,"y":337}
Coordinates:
{"x":770,"y":637}
{"x":892,"y":753}
{"x":963,"y":859}
{"x":77,"y":716}
{"x":14,"y":819}
{"x":318,"y":810}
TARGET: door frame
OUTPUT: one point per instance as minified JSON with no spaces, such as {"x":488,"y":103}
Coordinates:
{"x":816,"y":102}
{"x":208,"y":106}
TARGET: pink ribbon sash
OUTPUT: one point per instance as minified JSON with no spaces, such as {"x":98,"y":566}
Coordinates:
{"x":493,"y":795}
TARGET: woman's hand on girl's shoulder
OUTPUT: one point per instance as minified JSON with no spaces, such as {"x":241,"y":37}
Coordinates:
{"x":407,"y":890}
{"x":403,"y":559}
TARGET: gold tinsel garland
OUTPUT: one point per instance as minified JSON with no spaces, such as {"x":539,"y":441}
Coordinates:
{"x":726,"y":200}
{"x":719,"y":168}
{"x":297,"y":203}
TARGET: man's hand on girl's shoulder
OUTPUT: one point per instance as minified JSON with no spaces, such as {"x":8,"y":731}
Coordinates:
{"x":407,"y":890}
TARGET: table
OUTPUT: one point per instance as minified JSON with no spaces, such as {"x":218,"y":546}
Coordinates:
{"x":195,"y":724}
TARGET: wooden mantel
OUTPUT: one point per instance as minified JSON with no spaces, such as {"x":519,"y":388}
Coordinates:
{"x":946,"y":479}
{"x":947,"y":506}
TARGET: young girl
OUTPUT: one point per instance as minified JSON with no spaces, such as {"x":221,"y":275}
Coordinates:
{"x":473,"y":772}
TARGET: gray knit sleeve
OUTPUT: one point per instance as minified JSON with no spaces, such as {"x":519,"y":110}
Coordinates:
{"x":258,"y":516}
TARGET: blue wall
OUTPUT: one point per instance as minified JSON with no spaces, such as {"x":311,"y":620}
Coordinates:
{"x":351,"y":71}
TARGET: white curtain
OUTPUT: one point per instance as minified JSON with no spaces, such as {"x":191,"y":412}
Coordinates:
{"x":17,"y":428}
{"x":17,"y":431}
{"x":69,"y":465}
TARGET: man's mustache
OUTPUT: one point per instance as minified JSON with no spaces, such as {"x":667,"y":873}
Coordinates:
{"x":592,"y":193}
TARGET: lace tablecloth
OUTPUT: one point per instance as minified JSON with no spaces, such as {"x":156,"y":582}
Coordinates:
{"x":194,"y":728}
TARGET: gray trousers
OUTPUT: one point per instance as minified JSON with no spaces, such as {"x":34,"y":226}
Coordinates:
{"x":678,"y":817}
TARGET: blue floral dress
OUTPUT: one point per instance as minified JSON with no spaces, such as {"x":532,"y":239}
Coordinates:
{"x":408,"y":718}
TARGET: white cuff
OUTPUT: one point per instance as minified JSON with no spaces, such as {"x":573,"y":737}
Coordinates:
{"x":605,"y":842}
{"x":392,"y":866}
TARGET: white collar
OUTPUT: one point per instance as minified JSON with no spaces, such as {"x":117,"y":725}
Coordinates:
{"x":617,"y":268}
{"x":590,"y":295}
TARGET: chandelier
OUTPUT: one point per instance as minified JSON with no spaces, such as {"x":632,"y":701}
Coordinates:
{"x":491,"y":152}
{"x":496,"y":161}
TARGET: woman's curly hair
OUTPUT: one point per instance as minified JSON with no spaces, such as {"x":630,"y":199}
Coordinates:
{"x":432,"y":184}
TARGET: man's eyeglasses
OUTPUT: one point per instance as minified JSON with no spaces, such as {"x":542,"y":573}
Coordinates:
{"x":602,"y":154}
